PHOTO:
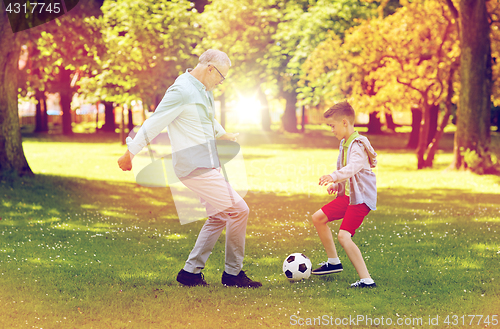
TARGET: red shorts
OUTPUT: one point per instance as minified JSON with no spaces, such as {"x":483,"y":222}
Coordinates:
{"x":353,"y":215}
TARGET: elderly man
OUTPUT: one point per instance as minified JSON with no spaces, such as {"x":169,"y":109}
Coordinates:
{"x":187,"y":110}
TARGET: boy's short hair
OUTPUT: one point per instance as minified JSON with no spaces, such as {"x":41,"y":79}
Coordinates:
{"x":342,"y":109}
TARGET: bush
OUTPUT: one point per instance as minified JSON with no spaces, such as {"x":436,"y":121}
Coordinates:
{"x":482,"y":162}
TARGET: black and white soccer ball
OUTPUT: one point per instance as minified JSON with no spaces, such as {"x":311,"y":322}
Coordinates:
{"x":297,"y":266}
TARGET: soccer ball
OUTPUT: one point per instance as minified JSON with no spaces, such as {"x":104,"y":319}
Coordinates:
{"x":297,"y":267}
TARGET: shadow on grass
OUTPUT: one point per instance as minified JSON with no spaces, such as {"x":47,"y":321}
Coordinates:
{"x":71,"y":238}
{"x":45,"y":197}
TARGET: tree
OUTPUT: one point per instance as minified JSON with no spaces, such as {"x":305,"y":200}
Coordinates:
{"x":302,"y":27}
{"x":147,"y":45}
{"x":30,"y":82}
{"x":12,"y":159}
{"x":391,"y":63}
{"x":472,"y":138}
{"x":245,"y":35}
{"x":67,"y":47}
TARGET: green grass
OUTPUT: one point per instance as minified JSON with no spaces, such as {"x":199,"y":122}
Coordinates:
{"x":82,"y":246}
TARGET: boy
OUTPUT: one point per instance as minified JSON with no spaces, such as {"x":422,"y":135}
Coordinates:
{"x":355,"y":185}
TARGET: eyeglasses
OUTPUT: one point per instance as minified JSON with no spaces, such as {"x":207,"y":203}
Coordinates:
{"x":223,"y":78}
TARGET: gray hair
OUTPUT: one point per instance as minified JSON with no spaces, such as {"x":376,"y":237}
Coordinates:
{"x":215,"y":57}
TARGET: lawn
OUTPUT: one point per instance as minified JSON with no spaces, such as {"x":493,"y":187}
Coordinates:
{"x":83,"y":246}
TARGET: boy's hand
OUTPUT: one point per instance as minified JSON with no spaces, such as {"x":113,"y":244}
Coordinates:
{"x":333,"y":188}
{"x":325,"y":180}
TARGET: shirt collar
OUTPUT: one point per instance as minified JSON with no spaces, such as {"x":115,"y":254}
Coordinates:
{"x":350,"y":139}
{"x":197,"y":83}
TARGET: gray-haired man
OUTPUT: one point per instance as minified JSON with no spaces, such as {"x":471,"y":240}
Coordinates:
{"x":188,"y":112}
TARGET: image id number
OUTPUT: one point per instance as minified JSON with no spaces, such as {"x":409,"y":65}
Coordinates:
{"x":455,"y":320}
{"x":35,"y":7}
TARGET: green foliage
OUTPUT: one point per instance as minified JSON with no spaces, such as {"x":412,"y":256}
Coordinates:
{"x":269,"y":40}
{"x":302,"y":28}
{"x":481,"y":162}
{"x":68,"y":42}
{"x":244,"y":31}
{"x":386,"y":63}
{"x":147,"y":45}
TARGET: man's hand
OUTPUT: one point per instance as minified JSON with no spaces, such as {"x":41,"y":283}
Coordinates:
{"x":125,"y":161}
{"x":229,"y":137}
{"x":325,"y":180}
{"x":332,"y":188}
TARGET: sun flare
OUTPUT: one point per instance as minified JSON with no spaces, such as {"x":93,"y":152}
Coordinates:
{"x":248,"y":110}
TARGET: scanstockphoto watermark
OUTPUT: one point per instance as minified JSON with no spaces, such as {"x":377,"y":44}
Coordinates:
{"x":366,"y":320}
{"x":358,"y":320}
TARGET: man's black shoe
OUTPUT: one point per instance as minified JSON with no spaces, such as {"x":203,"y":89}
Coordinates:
{"x":241,"y":281}
{"x":190,"y":279}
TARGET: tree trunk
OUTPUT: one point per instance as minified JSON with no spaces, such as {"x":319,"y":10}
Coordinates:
{"x":109,"y":118}
{"x":416,"y":119}
{"x":122,"y":126}
{"x":12,"y":159}
{"x":433,"y":146}
{"x":41,"y":119}
{"x":473,"y":128}
{"x":374,"y":124}
{"x":433,"y":122}
{"x":303,"y":123}
{"x":290,"y":116}
{"x":390,"y":122}
{"x":419,"y":125}
{"x":130,"y":124}
{"x":424,"y":135}
{"x":66,"y":93}
{"x":264,"y":112}
{"x":97,"y":104}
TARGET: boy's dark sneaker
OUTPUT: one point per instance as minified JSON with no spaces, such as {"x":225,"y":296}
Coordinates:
{"x":241,"y":281}
{"x":361,"y":284}
{"x":191,"y":279}
{"x":327,"y":268}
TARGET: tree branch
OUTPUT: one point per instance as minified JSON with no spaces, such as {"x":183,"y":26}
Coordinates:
{"x":409,"y":85}
{"x":454,"y":13}
{"x":453,"y":9}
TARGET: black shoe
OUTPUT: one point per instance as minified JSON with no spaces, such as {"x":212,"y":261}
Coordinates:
{"x":327,"y":268}
{"x":241,"y":281}
{"x":190,"y":279}
{"x":361,"y":284}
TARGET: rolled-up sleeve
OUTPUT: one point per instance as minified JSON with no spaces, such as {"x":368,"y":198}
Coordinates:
{"x":357,"y":160}
{"x":169,"y":108}
{"x":219,"y":131}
